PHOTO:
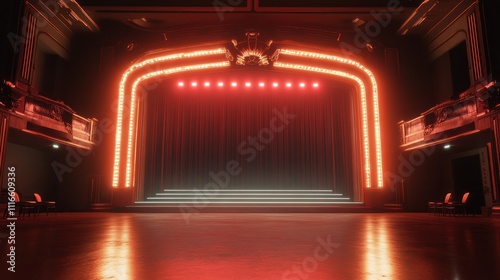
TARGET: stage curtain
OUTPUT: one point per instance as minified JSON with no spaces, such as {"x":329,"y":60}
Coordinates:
{"x":271,"y":140}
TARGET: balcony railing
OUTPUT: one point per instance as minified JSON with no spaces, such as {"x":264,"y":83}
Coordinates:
{"x":51,"y":119}
{"x":453,"y":117}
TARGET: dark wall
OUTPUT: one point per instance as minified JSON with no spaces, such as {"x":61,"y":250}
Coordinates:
{"x":414,"y":93}
{"x":74,"y":170}
{"x":33,"y":171}
{"x":10,"y":42}
{"x":404,"y":94}
{"x":450,"y":74}
{"x":467,"y":177}
{"x":491,"y":21}
{"x":442,"y":81}
{"x":429,"y":181}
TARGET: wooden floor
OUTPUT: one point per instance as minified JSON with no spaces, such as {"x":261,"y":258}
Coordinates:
{"x":253,"y":246}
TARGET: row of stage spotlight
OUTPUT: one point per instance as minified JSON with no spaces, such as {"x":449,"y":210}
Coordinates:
{"x":196,"y":84}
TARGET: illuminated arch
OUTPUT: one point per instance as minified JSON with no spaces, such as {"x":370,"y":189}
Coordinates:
{"x":132,"y":89}
{"x":374,"y":88}
{"x":121,"y":101}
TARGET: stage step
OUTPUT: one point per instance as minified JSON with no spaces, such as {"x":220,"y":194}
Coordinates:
{"x":176,"y":197}
{"x":393,"y":207}
{"x":101,"y":207}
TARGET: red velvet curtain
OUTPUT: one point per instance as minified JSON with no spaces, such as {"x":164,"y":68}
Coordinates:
{"x":270,"y":139}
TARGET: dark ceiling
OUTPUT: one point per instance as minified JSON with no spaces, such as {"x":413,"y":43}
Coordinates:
{"x":314,"y":21}
{"x":336,"y":15}
{"x":252,"y":3}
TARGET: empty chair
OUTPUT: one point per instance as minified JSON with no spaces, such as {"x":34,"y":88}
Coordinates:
{"x":434,"y":206}
{"x":22,"y":207}
{"x":45,"y":205}
{"x":453,"y":208}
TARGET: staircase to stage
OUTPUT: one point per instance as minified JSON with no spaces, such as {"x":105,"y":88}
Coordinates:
{"x":254,"y":198}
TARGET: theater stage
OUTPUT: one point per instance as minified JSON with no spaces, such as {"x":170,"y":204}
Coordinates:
{"x":254,"y":246}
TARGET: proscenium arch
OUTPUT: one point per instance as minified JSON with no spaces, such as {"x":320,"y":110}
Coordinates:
{"x":129,"y":168}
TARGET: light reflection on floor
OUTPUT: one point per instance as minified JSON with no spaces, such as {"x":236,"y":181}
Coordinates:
{"x":256,"y":246}
{"x":378,"y":257}
{"x":116,"y":251}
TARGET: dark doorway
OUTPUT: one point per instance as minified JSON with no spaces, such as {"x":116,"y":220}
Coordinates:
{"x":459,"y":67}
{"x":467,"y":178}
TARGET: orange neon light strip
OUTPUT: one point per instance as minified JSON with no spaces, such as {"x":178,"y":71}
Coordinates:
{"x":366,"y":146}
{"x":376,"y":115}
{"x":136,"y":83}
{"x":121,"y":97}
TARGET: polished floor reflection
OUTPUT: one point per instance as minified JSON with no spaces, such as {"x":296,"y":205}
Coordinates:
{"x":254,"y":246}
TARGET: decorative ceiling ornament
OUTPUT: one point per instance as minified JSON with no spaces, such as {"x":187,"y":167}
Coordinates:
{"x":252,"y":52}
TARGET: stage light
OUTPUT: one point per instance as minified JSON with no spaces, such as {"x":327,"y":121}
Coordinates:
{"x":55,"y":146}
{"x":249,"y":84}
{"x":447,"y":146}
